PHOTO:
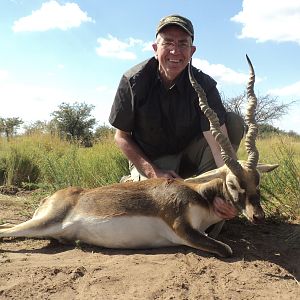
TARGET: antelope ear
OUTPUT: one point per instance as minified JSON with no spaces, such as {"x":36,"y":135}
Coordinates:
{"x":207,"y":176}
{"x":264,"y":168}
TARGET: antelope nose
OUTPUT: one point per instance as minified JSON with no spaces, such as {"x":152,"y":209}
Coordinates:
{"x":258,"y":218}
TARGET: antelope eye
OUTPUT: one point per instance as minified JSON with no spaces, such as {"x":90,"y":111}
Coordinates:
{"x":231,"y":186}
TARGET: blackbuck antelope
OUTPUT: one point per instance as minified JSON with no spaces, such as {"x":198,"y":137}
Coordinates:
{"x":156,"y":212}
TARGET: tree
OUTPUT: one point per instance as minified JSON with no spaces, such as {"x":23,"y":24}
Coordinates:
{"x":103,"y":132}
{"x":268,"y":108}
{"x":36,"y":127}
{"x":9,"y":126}
{"x":74,"y":121}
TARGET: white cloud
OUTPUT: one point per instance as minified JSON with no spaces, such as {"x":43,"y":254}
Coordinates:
{"x":112,"y":47}
{"x":291,"y":121}
{"x":52,"y":15}
{"x":103,"y":101}
{"x":3,"y":74}
{"x":270,"y":20}
{"x":220,"y":72}
{"x":147,"y":46}
{"x":289,"y":90}
{"x":30,"y":102}
{"x":103,"y":89}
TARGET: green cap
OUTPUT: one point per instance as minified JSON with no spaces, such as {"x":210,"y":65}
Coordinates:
{"x":177,"y":20}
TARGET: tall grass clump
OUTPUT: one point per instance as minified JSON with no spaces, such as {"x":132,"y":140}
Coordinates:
{"x":281,"y":187}
{"x":17,"y":164}
{"x":50,"y":162}
{"x":96,"y":166}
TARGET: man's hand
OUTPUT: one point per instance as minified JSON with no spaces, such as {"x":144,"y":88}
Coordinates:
{"x":223,"y":209}
{"x":134,"y":154}
{"x":169,"y":174}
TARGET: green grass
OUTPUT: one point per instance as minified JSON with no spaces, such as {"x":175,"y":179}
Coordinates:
{"x":47,"y":162}
{"x":281,"y":187}
{"x":86,"y":167}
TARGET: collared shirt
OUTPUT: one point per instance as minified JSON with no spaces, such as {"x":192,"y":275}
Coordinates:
{"x":162,"y":121}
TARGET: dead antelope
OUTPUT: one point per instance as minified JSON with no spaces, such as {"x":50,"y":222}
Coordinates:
{"x":155,"y":212}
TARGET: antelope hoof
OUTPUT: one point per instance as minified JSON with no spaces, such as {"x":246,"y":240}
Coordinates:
{"x":225,"y":252}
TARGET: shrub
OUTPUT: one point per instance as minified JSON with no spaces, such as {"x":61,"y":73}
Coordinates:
{"x":281,"y":188}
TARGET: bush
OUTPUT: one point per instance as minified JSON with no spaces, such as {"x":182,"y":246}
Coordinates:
{"x":281,"y":188}
{"x":17,"y":165}
{"x":51,"y":163}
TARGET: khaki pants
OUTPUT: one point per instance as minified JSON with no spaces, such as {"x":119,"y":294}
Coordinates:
{"x":196,"y":158}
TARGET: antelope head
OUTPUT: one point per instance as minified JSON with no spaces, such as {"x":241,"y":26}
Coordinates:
{"x":240,"y":179}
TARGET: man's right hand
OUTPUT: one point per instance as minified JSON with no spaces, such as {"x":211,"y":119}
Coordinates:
{"x":169,"y":174}
{"x":134,"y":154}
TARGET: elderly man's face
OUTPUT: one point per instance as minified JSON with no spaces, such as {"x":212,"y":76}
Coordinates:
{"x":173,"y":49}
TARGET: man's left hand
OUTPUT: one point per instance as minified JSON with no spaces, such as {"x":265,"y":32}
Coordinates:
{"x":223,"y":209}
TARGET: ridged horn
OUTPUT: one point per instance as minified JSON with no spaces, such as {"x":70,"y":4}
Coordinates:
{"x":251,"y":135}
{"x":222,"y":140}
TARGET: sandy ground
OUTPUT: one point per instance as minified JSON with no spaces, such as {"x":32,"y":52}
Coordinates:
{"x":265,"y":265}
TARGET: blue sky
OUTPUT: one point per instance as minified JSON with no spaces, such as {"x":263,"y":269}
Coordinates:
{"x":66,"y":51}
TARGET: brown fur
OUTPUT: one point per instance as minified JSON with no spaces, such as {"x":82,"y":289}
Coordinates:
{"x":185,"y":207}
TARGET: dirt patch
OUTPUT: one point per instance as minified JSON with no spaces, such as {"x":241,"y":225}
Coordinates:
{"x":265,"y":265}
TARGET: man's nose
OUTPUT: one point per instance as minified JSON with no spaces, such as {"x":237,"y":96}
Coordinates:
{"x":175,"y":48}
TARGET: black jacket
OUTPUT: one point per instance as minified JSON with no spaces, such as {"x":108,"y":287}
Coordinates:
{"x":162,"y":121}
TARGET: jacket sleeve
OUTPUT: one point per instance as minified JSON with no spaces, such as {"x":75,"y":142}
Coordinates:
{"x":122,"y":111}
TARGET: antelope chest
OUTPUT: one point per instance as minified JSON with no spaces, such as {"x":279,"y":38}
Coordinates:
{"x":200,"y":218}
{"x":122,"y":231}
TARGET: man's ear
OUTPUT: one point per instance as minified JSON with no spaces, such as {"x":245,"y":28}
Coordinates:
{"x":154,"y":46}
{"x":193,"y":50}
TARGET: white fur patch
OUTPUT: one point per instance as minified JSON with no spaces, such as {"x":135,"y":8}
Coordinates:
{"x":123,"y":232}
{"x":232,"y":180}
{"x":201,"y":218}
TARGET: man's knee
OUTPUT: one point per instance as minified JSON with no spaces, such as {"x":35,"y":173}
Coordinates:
{"x":235,"y":127}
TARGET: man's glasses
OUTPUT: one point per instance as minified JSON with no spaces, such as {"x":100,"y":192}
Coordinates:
{"x":171,"y":45}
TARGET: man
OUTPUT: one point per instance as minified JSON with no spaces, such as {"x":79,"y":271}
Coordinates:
{"x":159,"y":125}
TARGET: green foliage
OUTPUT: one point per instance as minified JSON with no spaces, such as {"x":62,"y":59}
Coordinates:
{"x":268,"y":108}
{"x":20,"y":167}
{"x":75,"y":122}
{"x":86,"y":167}
{"x":9,"y":126}
{"x":104,"y":132}
{"x":50,"y":163}
{"x":36,"y":127}
{"x":280,"y":188}
{"x":267,"y":130}
{"x":17,"y":165}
